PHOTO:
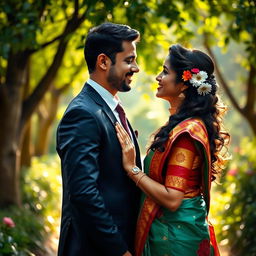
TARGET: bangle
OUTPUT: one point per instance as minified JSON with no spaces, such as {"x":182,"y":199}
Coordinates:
{"x":138,"y":181}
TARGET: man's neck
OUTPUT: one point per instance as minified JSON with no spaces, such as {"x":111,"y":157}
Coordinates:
{"x":103,"y":83}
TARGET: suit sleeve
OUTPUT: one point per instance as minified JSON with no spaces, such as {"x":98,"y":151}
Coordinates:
{"x":79,"y":147}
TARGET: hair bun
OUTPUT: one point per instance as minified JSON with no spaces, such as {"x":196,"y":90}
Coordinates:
{"x":211,"y":80}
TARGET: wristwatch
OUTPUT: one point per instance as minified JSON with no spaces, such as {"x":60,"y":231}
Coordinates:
{"x":136,"y":170}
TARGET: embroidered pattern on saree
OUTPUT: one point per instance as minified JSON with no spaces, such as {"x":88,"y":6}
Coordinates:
{"x":181,"y":157}
{"x":176,"y":182}
{"x":149,"y":209}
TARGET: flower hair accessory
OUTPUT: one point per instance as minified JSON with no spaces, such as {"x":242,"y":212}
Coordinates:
{"x":198,"y":79}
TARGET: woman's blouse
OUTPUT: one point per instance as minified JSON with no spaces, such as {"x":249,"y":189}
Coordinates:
{"x":184,"y":167}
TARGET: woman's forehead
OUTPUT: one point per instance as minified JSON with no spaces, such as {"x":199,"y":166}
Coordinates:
{"x":167,"y":62}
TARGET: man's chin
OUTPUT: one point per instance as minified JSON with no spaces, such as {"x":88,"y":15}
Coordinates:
{"x":125,"y":88}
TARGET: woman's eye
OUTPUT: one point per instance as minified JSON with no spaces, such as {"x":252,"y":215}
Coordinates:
{"x":165,"y":72}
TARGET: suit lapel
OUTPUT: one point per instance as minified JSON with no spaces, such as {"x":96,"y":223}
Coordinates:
{"x":138,"y":160}
{"x":99,"y":100}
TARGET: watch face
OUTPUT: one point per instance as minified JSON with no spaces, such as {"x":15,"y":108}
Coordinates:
{"x":135,"y":170}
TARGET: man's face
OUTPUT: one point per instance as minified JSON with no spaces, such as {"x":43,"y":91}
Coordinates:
{"x":120,"y":74}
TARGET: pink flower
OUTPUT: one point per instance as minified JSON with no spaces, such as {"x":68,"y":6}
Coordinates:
{"x":8,"y":222}
{"x":195,"y":70}
{"x":232,"y":172}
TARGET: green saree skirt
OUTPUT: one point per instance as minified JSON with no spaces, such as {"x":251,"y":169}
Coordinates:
{"x":181,"y":233}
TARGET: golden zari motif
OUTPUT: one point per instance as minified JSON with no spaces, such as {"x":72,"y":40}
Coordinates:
{"x":182,"y":157}
{"x":176,"y":182}
{"x":197,"y":130}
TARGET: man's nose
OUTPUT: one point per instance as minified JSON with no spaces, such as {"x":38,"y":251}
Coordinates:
{"x":135,"y":68}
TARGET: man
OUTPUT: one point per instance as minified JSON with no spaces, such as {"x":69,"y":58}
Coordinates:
{"x":100,"y":202}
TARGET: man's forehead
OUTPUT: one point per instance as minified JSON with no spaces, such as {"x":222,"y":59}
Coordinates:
{"x":129,"y":47}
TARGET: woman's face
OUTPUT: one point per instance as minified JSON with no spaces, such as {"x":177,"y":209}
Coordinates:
{"x":168,"y":88}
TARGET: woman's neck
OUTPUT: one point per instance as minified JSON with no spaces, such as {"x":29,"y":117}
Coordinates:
{"x":175,"y":103}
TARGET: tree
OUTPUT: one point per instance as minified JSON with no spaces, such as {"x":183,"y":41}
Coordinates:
{"x":29,"y":27}
{"x":218,"y":23}
{"x":18,"y":43}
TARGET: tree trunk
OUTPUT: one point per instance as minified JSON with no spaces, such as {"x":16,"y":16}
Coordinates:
{"x":16,"y":113}
{"x":26,"y":145}
{"x":251,"y":118}
{"x":14,"y":119}
{"x":46,"y":116}
{"x":26,"y":151}
{"x":9,"y":153}
{"x":10,"y":135}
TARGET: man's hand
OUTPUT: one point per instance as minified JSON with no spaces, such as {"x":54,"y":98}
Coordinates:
{"x":127,"y":254}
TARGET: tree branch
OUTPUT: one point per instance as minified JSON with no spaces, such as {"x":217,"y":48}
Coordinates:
{"x":43,"y":6}
{"x":63,"y":88}
{"x":76,"y":8}
{"x":65,"y":33}
{"x":221,"y":78}
{"x":251,"y":90}
{"x":33,"y":100}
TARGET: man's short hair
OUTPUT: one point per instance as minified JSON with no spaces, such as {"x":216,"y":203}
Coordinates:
{"x":107,"y":38}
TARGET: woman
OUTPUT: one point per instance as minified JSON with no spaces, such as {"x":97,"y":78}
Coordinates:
{"x":184,"y":158}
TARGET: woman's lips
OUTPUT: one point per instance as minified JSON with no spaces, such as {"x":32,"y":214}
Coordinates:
{"x":159,"y":86}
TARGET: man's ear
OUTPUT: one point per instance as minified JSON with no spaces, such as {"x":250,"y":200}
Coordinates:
{"x":103,"y":61}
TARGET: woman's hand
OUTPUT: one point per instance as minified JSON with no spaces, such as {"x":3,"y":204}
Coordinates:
{"x":167,"y":197}
{"x":127,"y":146}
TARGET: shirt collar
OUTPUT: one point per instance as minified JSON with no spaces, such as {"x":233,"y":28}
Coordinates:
{"x":111,"y":100}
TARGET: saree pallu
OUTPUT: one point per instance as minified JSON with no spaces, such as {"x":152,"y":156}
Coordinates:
{"x":185,"y":231}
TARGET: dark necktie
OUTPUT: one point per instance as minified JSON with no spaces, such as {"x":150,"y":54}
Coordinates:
{"x":122,"y":117}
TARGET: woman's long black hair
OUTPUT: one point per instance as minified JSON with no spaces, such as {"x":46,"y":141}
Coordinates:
{"x":208,"y":107}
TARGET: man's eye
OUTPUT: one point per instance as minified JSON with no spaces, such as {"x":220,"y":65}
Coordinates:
{"x":165,"y":72}
{"x":128,"y":61}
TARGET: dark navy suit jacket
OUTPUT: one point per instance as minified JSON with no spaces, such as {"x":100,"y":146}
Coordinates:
{"x":100,"y":203}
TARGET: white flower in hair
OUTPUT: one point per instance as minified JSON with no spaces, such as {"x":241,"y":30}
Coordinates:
{"x":199,"y":78}
{"x":204,"y":88}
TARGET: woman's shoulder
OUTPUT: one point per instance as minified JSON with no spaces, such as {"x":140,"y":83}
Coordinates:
{"x":194,"y":126}
{"x":193,"y":123}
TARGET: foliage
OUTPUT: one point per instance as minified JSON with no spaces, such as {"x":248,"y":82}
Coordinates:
{"x":220,"y":21}
{"x":19,"y":24}
{"x":27,"y":235}
{"x":235,"y":206}
{"x":39,"y":217}
{"x":42,"y":190}
{"x":37,"y":27}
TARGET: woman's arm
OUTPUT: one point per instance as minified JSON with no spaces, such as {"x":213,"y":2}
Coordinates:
{"x":166,"y":197}
{"x":169,"y":195}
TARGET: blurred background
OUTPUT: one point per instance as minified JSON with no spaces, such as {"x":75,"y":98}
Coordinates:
{"x":42,"y":68}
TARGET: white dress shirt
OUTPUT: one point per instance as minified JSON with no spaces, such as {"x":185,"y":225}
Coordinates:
{"x":111,"y":101}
